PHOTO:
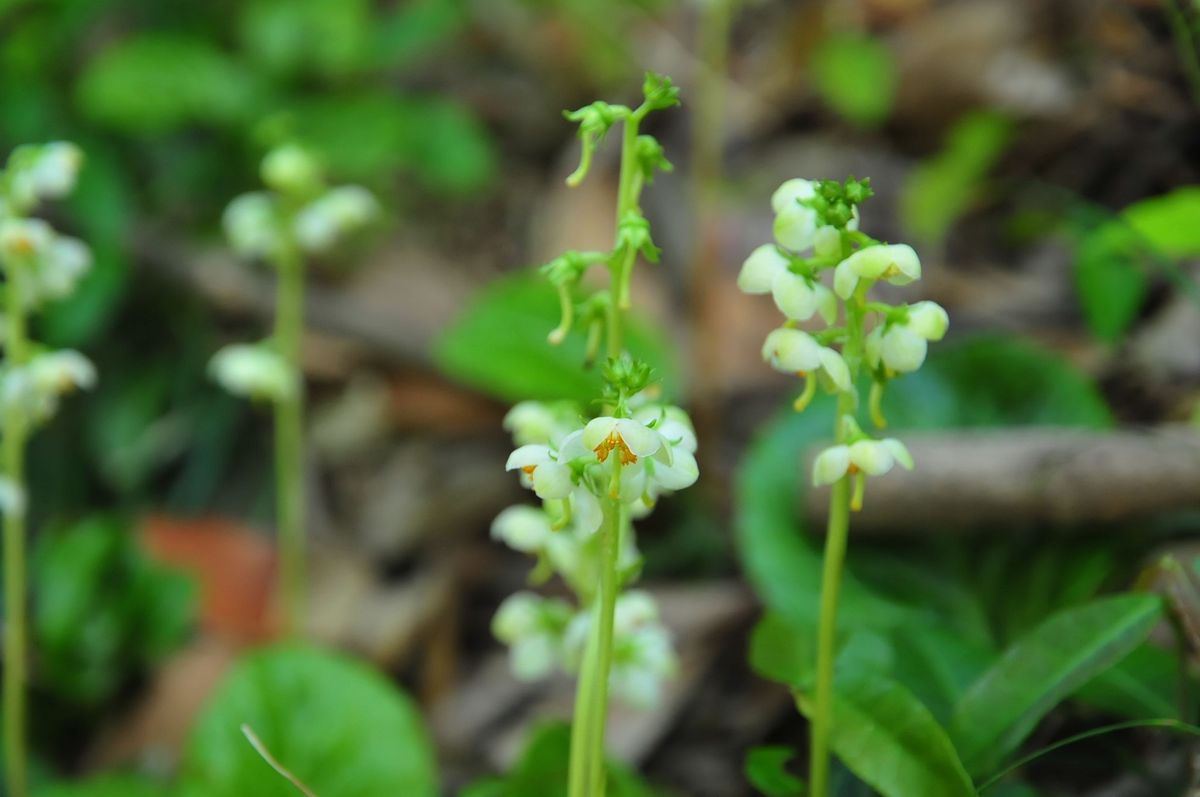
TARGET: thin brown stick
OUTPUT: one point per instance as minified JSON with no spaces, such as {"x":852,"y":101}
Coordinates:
{"x":262,"y":750}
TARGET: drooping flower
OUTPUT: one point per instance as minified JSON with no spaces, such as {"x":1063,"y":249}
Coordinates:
{"x":798,"y":226}
{"x":254,"y":370}
{"x":797,"y":296}
{"x":542,"y":471}
{"x":340,"y":211}
{"x":902,"y":346}
{"x":795,"y":352}
{"x":48,"y":171}
{"x":251,"y":223}
{"x":541,"y":422}
{"x":533,"y":627}
{"x":643,"y":657}
{"x":63,"y":264}
{"x":870,"y":457}
{"x":25,"y":238}
{"x":36,"y":387}
{"x":895,"y":263}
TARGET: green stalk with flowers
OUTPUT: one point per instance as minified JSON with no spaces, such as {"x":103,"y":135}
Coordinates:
{"x":595,"y":475}
{"x":39,"y":266}
{"x":816,"y":232}
{"x":298,"y":216}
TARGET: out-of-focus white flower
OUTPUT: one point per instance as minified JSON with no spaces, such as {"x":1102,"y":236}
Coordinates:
{"x":291,"y":169}
{"x":523,"y":528}
{"x":48,"y":171}
{"x":797,"y":226}
{"x":24,"y":238}
{"x":797,"y":296}
{"x":671,"y":422}
{"x":794,"y":352}
{"x":533,"y":628}
{"x":251,"y":223}
{"x":896,"y":263}
{"x":255,"y":371}
{"x":902,"y":346}
{"x":36,"y":387}
{"x":541,"y":422}
{"x":870,"y":457}
{"x":63,"y":264}
{"x":327,"y":219}
{"x":643,"y":657}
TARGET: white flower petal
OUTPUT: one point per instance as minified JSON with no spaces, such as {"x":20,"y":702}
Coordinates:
{"x":871,"y":458}
{"x":792,"y":191}
{"x":928,"y":319}
{"x":551,"y":481}
{"x":586,"y":512}
{"x":794,"y":296}
{"x":873,"y":346}
{"x":531,"y":455}
{"x":827,"y":241}
{"x":845,"y":279}
{"x":523,"y":528}
{"x":831,"y":465}
{"x":898,"y":451}
{"x":791,"y":351}
{"x":597,"y":431}
{"x":639,"y":438}
{"x":760,"y":269}
{"x":795,"y":228}
{"x":902,"y":349}
{"x":835,"y":368}
{"x":827,"y":304}
{"x":680,"y":474}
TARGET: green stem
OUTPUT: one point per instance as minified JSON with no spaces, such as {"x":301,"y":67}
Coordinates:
{"x":289,"y":450}
{"x":609,"y":587}
{"x":836,"y":538}
{"x":15,"y":629}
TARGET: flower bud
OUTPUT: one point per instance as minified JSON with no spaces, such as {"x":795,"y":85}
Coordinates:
{"x":523,"y":528}
{"x":291,"y":169}
{"x":831,"y":465}
{"x":254,"y":371}
{"x":760,"y":269}
{"x":252,"y":225}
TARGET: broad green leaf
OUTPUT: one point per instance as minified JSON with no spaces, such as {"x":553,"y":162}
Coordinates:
{"x":891,"y":741}
{"x":341,"y":727}
{"x":781,"y":651}
{"x":1143,"y":685}
{"x":105,"y":786}
{"x":327,"y":38}
{"x":1042,"y":668}
{"x":856,"y":76}
{"x":1110,"y":280}
{"x":499,"y":346}
{"x":1168,"y":222}
{"x":157,"y":83}
{"x":942,"y":189}
{"x":938,"y":665}
{"x":766,"y":769}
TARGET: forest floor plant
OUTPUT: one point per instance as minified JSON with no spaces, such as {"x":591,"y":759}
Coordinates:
{"x":39,"y":266}
{"x":816,"y":231}
{"x":298,"y":216}
{"x":596,"y":470}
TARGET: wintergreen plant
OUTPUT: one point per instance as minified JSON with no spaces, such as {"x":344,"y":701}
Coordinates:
{"x":816,"y":231}
{"x":297,"y":216}
{"x":39,"y":266}
{"x":596,"y":469}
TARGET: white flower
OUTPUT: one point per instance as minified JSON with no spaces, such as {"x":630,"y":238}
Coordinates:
{"x":896,"y":263}
{"x":902,"y":346}
{"x":671,"y":422}
{"x":541,"y":422}
{"x":792,"y":191}
{"x":796,"y":224}
{"x":631,"y":439}
{"x":36,"y":387}
{"x":542,"y":471}
{"x":533,"y":627}
{"x":25,"y":237}
{"x":48,"y":171}
{"x":642,"y":653}
{"x":320,"y":223}
{"x":255,"y":371}
{"x":794,"y":352}
{"x":251,"y":224}
{"x":797,"y":296}
{"x":291,"y":169}
{"x":870,"y":457}
{"x":64,"y":263}
{"x":523,"y":528}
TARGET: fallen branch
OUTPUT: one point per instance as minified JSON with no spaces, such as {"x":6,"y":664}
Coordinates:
{"x":1012,"y":478}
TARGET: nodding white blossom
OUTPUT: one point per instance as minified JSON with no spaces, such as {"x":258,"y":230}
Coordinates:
{"x":541,"y":422}
{"x":796,"y":224}
{"x":870,"y":457}
{"x":255,"y":371}
{"x":25,"y":238}
{"x":322,"y":222}
{"x":541,"y":469}
{"x":798,"y":297}
{"x":251,"y":223}
{"x":48,"y":171}
{"x":901,"y":346}
{"x":672,"y":423}
{"x":523,"y":528}
{"x":291,"y":169}
{"x":12,"y":498}
{"x":36,"y":387}
{"x":895,"y":263}
{"x":533,"y":627}
{"x":63,"y":264}
{"x":795,"y":352}
{"x":643,"y":657}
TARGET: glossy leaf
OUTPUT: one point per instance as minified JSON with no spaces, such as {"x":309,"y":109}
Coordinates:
{"x":337,"y":724}
{"x":1042,"y":668}
{"x":891,"y":741}
{"x":499,"y":346}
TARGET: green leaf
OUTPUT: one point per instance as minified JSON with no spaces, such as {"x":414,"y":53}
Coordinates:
{"x":499,"y":346}
{"x":781,"y":651}
{"x":1111,"y":282}
{"x":1168,"y":222}
{"x":1143,"y":685}
{"x":337,"y":724}
{"x":160,"y":82}
{"x":1042,"y":668}
{"x":415,"y":29}
{"x":891,"y":741}
{"x":942,"y":189}
{"x":855,"y":75}
{"x":105,"y":786}
{"x":766,"y":769}
{"x":327,"y":38}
